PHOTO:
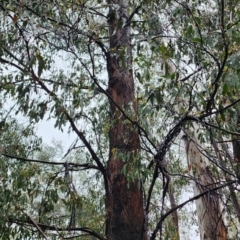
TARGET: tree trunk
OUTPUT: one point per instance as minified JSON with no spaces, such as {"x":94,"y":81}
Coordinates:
{"x":124,"y":200}
{"x":174,"y":214}
{"x":236,"y":150}
{"x":211,"y":225}
{"x":227,"y":177}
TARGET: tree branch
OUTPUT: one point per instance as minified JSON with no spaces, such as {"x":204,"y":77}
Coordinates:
{"x":54,"y":228}
{"x":74,"y":127}
{"x":84,"y":165}
{"x":36,"y":225}
{"x":158,"y":226}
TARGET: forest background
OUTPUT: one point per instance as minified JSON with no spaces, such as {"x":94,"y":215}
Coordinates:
{"x":149,"y":91}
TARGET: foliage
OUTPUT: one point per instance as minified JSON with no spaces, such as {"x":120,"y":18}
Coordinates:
{"x":53,"y":54}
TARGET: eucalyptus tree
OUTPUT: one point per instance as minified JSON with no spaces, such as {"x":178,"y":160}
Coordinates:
{"x":128,"y":78}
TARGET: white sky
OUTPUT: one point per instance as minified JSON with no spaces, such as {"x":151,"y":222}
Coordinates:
{"x":48,"y":132}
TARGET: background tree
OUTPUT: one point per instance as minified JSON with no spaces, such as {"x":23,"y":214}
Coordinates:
{"x":128,"y":78}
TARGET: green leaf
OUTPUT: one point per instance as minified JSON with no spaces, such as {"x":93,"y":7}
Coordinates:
{"x":189,"y":31}
{"x":197,"y":40}
{"x":225,"y":89}
{"x":41,"y":64}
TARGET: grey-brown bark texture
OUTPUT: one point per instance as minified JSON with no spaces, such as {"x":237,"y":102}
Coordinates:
{"x":124,"y":201}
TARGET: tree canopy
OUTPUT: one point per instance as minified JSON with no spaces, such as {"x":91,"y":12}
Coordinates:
{"x":150,"y":90}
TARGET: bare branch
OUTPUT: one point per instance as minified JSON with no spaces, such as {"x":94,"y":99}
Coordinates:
{"x":54,"y":228}
{"x":36,"y":225}
{"x":84,"y":165}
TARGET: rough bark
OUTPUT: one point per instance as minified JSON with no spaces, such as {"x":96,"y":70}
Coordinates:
{"x":210,"y":220}
{"x":124,"y":199}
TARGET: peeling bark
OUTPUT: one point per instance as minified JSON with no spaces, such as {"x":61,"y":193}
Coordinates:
{"x":210,"y":220}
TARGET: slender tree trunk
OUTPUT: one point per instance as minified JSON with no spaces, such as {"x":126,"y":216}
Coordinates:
{"x":124,"y":199}
{"x":211,"y":225}
{"x":174,"y":214}
{"x":236,"y":150}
